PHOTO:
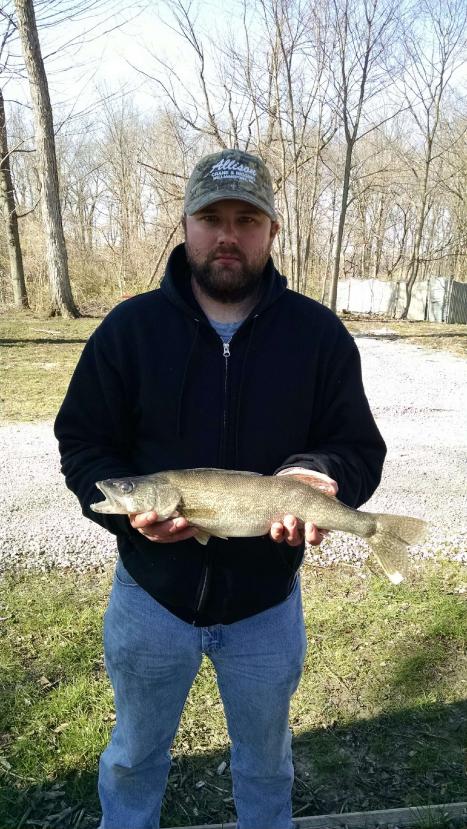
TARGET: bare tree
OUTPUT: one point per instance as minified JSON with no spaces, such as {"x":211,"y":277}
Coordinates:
{"x":82,"y":185}
{"x":455,"y":189}
{"x":433,"y":61}
{"x":7,"y":194}
{"x":7,"y":199}
{"x":263,"y":93}
{"x":364,"y":33}
{"x":62,"y":302}
{"x":296,"y":122}
{"x":307,"y":88}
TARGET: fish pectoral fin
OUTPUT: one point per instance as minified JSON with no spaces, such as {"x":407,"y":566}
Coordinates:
{"x":174,"y":502}
{"x":202,"y":536}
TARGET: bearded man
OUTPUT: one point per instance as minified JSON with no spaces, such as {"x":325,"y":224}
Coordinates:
{"x":222,"y":367}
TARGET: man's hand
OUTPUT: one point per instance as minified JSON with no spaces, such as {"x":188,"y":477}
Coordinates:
{"x":164,"y":532}
{"x":291,"y":529}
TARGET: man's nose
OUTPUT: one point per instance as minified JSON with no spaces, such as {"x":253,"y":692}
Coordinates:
{"x":227,"y":233}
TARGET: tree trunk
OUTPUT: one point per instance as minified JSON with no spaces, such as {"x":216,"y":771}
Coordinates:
{"x":7,"y":200}
{"x":340,"y":229}
{"x":57,"y":260}
{"x":414,"y":264}
{"x":379,"y":236}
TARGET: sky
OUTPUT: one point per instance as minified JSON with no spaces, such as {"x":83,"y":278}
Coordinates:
{"x":99,"y":52}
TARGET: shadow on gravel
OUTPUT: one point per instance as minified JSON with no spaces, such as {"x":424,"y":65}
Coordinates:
{"x":43,"y":341}
{"x":409,"y":758}
{"x":409,"y":336}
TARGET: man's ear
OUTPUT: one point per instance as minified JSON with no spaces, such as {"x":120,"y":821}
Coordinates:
{"x":183,"y":220}
{"x":275,"y":226}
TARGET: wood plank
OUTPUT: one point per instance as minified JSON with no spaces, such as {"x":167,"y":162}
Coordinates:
{"x":411,"y":816}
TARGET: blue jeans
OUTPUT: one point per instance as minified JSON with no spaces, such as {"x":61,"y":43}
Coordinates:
{"x":152,"y":658}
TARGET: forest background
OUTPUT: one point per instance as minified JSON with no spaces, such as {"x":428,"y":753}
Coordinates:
{"x":357,"y":106}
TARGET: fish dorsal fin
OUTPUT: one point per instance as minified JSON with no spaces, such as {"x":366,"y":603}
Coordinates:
{"x":224,"y":471}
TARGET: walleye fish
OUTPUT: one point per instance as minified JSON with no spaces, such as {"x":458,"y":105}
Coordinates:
{"x":225,"y":503}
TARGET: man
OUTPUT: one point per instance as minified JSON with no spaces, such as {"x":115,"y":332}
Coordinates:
{"x":220,"y":367}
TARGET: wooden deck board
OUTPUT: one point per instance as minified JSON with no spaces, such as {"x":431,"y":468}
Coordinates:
{"x":407,"y":817}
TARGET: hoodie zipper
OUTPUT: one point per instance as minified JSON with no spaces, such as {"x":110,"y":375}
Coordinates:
{"x":226,"y":375}
{"x":204,"y":585}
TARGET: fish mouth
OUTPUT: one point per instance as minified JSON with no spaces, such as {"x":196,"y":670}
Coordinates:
{"x":109,"y":505}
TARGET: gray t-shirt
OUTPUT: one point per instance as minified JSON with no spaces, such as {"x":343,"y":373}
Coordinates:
{"x":226,"y":330}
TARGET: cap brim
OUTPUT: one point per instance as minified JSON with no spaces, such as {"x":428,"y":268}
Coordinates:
{"x":221,"y":195}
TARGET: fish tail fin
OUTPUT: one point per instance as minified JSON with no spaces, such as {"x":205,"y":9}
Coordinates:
{"x":389,"y":543}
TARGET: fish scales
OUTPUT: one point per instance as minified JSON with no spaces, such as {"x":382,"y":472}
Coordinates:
{"x":227,"y":503}
{"x":246,"y":505}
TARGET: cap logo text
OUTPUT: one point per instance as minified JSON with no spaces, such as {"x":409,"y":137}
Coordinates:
{"x":230,"y":169}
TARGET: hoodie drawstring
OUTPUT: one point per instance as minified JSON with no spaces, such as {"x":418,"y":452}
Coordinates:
{"x":240,"y":387}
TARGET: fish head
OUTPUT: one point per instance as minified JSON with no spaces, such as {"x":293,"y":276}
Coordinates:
{"x":141,"y":493}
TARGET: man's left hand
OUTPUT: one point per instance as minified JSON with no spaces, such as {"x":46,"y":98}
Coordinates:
{"x":291,"y":529}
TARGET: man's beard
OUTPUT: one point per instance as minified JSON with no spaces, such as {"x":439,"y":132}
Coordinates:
{"x":227,"y":284}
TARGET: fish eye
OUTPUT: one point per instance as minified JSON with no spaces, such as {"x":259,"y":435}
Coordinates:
{"x":126,"y":487}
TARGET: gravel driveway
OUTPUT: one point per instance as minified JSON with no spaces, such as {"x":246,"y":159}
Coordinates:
{"x":419,"y":399}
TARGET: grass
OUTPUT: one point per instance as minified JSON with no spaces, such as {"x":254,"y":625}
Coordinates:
{"x":379,"y":721}
{"x":39,"y":355}
{"x":37,"y":358}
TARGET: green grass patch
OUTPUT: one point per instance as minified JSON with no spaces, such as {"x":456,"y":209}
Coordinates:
{"x":37,"y":358}
{"x":379,"y":720}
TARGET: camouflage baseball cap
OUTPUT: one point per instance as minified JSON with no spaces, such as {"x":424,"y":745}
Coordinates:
{"x":230,"y":174}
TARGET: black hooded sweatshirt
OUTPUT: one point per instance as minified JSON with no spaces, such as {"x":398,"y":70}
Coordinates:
{"x":155,"y":389}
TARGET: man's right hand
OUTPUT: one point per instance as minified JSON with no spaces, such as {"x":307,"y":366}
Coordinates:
{"x":163,"y":532}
